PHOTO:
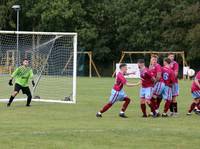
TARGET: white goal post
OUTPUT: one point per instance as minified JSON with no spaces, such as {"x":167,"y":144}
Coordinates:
{"x":48,"y":53}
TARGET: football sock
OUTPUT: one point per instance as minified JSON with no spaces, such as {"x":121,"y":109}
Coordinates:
{"x":11,"y":99}
{"x":153,"y":104}
{"x":198,"y":106}
{"x":152,"y":108}
{"x":159,"y":99}
{"x":175,"y":107}
{"x":143,"y":108}
{"x":171,"y":107}
{"x":192,"y":106}
{"x":29,"y":100}
{"x":167,"y":105}
{"x":125,"y":105}
{"x":106,"y":107}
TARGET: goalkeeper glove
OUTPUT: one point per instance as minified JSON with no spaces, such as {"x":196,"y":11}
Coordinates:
{"x":33,"y":83}
{"x":10,"y":82}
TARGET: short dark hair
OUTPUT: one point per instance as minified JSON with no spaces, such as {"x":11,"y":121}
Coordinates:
{"x":167,"y":60}
{"x":122,"y":65}
{"x":141,"y":61}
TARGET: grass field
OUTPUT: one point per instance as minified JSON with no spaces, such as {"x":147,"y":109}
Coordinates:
{"x":64,"y":126}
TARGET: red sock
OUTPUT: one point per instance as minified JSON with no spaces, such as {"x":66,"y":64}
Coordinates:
{"x":159,"y":99}
{"x":106,"y":107}
{"x":152,"y":108}
{"x":143,"y":108}
{"x":167,"y":105}
{"x":192,"y":106}
{"x":153,"y":104}
{"x":126,"y":103}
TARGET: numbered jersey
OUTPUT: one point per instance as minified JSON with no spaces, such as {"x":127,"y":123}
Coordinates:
{"x":168,"y":76}
{"x":194,"y":86}
{"x":119,"y":82}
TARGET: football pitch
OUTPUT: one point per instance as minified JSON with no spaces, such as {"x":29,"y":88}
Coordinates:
{"x":74,"y":126}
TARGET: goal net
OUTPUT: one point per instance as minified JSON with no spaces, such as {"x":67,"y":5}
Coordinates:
{"x":48,"y":54}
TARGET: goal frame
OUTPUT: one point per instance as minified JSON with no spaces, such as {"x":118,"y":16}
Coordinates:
{"x":124,"y":53}
{"x":74,"y":81}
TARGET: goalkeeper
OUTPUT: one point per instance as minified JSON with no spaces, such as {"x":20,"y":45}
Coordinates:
{"x":22,"y":75}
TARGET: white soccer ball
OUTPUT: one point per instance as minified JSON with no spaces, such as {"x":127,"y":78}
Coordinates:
{"x":191,"y":72}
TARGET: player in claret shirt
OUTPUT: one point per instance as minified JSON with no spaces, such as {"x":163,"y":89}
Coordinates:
{"x":118,"y":94}
{"x":146,"y":91}
{"x":169,"y":79}
{"x":175,"y":87}
{"x":195,"y":89}
{"x":159,"y":85}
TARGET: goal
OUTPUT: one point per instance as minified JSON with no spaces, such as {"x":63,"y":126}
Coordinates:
{"x":48,"y":53}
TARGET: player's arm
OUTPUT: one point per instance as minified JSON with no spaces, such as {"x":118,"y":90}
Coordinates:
{"x":31,"y":77}
{"x":176,"y":70}
{"x":13,"y":76}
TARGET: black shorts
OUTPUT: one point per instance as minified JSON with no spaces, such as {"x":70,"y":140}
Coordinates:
{"x":25,"y":90}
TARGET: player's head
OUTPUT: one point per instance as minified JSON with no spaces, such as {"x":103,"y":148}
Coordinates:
{"x":123,"y":68}
{"x":140,"y":63}
{"x":171,"y":56}
{"x":154,"y":59}
{"x":25,"y":62}
{"x":166,"y":61}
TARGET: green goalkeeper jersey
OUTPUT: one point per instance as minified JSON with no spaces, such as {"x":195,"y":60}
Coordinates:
{"x":22,"y":75}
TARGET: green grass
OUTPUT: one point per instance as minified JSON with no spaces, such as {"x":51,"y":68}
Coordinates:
{"x":65,"y":126}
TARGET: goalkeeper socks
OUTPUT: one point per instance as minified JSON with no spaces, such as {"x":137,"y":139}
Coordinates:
{"x":29,"y":100}
{"x":106,"y":107}
{"x":11,"y":100}
{"x":192,"y":106}
{"x":126,"y":103}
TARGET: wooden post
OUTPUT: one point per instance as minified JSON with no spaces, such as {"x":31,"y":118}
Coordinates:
{"x":90,"y":63}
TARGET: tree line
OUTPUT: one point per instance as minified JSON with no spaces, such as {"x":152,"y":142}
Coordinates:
{"x":108,"y":26}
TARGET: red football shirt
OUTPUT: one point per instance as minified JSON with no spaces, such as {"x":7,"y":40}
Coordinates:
{"x":156,"y":69}
{"x":119,"y":82}
{"x":194,"y":86}
{"x":168,"y":76}
{"x":175,"y":67}
{"x":146,"y":77}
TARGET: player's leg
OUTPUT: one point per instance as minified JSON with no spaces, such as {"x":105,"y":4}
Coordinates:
{"x":112,"y":100}
{"x":175,"y":93}
{"x":142,"y":102}
{"x":148,"y":98}
{"x":26,"y":90}
{"x":167,"y":96}
{"x":17,"y":88}
{"x":195,"y":102}
{"x":123,"y":97}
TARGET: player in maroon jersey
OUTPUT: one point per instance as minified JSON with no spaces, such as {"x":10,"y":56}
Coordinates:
{"x":146,"y":89}
{"x":118,"y":94}
{"x":169,"y":78}
{"x":195,"y":90}
{"x":159,"y":85}
{"x":175,"y":87}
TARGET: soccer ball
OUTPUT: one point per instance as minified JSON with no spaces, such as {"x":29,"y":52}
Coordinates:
{"x":191,"y":72}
